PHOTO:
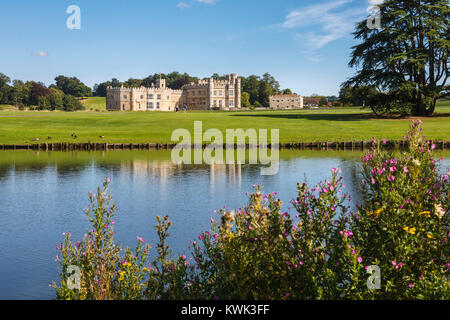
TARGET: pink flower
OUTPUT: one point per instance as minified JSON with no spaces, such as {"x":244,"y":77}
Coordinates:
{"x":200,"y":237}
{"x":405,"y":169}
{"x":360,"y":259}
{"x":411,"y":285}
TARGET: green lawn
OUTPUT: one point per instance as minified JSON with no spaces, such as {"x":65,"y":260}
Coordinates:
{"x":94,"y":103}
{"x":340,"y":124}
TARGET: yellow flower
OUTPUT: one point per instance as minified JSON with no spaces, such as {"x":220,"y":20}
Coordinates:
{"x":410,"y":230}
{"x":376,"y":213}
{"x":425,"y":213}
{"x":145,"y":269}
{"x":429,"y":236}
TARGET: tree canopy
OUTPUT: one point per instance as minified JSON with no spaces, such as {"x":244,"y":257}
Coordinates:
{"x":406,"y":60}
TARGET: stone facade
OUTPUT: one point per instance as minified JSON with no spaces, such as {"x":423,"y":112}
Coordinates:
{"x":201,"y":95}
{"x":286,"y":101}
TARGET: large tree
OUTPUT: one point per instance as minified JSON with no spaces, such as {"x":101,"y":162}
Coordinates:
{"x":73,"y":86}
{"x":407,"y":58}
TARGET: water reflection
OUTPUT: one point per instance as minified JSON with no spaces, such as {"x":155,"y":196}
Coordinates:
{"x":44,"y":193}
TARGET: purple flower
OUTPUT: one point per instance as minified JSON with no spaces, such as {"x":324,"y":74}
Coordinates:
{"x":360,"y":259}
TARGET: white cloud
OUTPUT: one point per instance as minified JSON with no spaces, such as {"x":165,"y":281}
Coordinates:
{"x":330,"y":19}
{"x":206,"y":1}
{"x":40,"y":54}
{"x":184,"y":5}
{"x":375,"y":2}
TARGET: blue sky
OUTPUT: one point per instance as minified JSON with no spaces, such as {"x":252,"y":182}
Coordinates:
{"x":305,"y":44}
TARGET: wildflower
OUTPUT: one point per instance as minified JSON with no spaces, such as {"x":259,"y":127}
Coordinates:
{"x":439,"y":211}
{"x":405,"y":169}
{"x":416,"y":162}
{"x":411,"y":285}
{"x":348,"y":234}
{"x":360,"y":259}
{"x":429,"y":236}
{"x":425,"y":213}
{"x":410,"y":230}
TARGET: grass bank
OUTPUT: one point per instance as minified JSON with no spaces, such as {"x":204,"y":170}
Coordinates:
{"x":339,"y":124}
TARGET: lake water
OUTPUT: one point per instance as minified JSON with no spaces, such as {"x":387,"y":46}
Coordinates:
{"x":43,"y":194}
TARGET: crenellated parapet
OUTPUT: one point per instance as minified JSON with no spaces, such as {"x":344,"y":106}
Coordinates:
{"x":199,"y":95}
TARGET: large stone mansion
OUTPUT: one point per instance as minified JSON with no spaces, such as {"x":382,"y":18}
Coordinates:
{"x":201,"y":95}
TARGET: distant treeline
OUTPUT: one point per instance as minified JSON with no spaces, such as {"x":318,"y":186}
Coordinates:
{"x":36,"y":95}
{"x":63,"y":94}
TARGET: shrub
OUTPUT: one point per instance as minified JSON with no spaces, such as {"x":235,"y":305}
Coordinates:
{"x":261,"y":252}
{"x":403,"y":226}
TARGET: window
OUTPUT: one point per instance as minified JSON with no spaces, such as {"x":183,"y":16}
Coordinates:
{"x":220,"y":103}
{"x":158,"y":97}
{"x":231,"y":93}
{"x":125,"y":97}
{"x":149,"y":105}
{"x":168,"y":97}
{"x":157,"y":105}
{"x":215,"y":103}
{"x":220,"y":93}
{"x":150,"y":96}
{"x":215,"y":93}
{"x":123,"y":107}
{"x":142,"y":97}
{"x":231,"y":103}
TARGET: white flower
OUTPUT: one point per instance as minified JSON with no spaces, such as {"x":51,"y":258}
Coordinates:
{"x":416,"y":162}
{"x":439,"y":211}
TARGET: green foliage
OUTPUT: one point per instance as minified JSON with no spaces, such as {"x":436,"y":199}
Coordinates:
{"x":403,"y":225}
{"x":407,"y":58}
{"x":73,"y":86}
{"x":245,"y":100}
{"x":260,"y":252}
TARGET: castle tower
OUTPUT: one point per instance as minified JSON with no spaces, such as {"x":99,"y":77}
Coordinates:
{"x":161,"y":83}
